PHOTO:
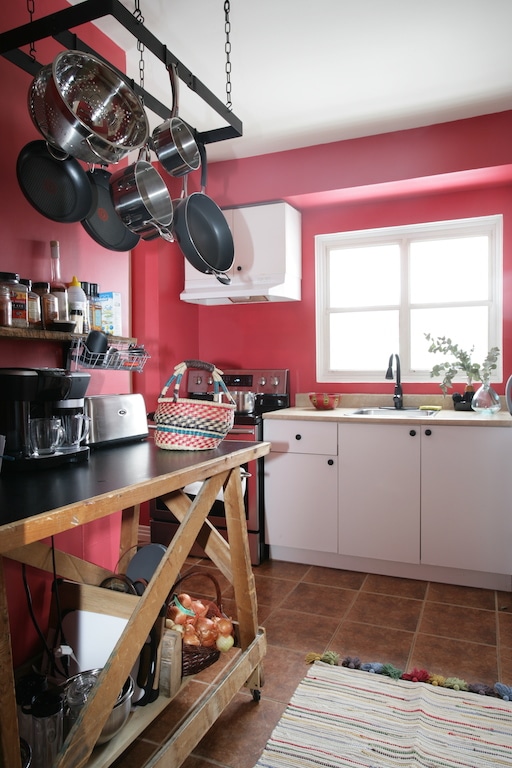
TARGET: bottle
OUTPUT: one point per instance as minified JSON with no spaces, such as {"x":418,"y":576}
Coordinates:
{"x":5,"y":306}
{"x":77,"y":304}
{"x":87,"y":290}
{"x":57,"y":287}
{"x":34,"y":305}
{"x":19,"y":300}
{"x":95,"y":309}
{"x":49,"y":304}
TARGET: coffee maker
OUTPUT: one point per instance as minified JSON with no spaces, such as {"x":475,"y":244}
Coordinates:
{"x":30,"y":393}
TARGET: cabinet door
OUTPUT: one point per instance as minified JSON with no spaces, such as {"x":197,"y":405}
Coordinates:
{"x":466,"y":498}
{"x":379,"y":491}
{"x":296,"y":436}
{"x":301,"y":501}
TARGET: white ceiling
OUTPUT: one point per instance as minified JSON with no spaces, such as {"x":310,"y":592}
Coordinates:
{"x":306,"y":73}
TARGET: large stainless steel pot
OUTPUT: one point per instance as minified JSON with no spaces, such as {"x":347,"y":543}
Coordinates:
{"x":244,"y":401}
{"x":81,"y":105}
{"x":142,"y":201}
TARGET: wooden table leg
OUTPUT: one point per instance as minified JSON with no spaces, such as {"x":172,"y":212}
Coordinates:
{"x":10,"y":756}
{"x":129,"y":536}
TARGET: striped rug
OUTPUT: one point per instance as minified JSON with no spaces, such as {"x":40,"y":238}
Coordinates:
{"x":344,"y":717}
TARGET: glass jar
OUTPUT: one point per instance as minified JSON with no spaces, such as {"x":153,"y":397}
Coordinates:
{"x":19,"y":298}
{"x":5,"y":307}
{"x":33,"y":305}
{"x":49,"y":304}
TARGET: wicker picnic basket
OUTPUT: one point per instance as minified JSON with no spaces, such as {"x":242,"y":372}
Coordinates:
{"x":195,"y":658}
{"x":184,"y":424}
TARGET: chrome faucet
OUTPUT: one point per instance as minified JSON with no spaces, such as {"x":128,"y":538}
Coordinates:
{"x":398,"y":397}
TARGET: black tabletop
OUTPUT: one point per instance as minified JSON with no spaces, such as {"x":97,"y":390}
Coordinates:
{"x":25,"y":494}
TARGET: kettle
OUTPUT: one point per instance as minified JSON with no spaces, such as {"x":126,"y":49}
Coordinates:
{"x":508,"y":394}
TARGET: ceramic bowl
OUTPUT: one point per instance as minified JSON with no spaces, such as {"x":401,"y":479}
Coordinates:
{"x":323,"y":401}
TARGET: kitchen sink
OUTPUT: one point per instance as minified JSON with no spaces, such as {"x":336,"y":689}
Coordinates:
{"x":415,"y":413}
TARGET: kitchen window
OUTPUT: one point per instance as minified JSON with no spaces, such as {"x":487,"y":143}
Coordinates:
{"x":379,"y":291}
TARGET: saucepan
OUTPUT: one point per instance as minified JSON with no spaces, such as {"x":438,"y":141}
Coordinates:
{"x":173,"y":141}
{"x":244,"y":401}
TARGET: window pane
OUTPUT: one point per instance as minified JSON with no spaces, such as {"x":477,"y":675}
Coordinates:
{"x":465,"y":326}
{"x":357,"y":340}
{"x":445,"y":270}
{"x":363,"y":277}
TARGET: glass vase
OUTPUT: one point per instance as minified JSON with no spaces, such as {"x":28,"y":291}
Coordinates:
{"x":486,"y":401}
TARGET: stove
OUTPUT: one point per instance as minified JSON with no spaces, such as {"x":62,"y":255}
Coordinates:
{"x":271,"y":389}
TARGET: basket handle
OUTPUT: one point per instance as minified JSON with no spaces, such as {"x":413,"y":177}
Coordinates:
{"x":196,"y":572}
{"x":218,"y":382}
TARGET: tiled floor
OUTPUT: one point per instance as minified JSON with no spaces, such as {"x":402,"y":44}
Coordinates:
{"x":448,"y":630}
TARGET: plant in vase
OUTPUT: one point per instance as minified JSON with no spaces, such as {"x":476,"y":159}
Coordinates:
{"x":485,"y":400}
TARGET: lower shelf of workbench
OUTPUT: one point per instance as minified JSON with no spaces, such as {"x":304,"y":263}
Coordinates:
{"x":234,"y":671}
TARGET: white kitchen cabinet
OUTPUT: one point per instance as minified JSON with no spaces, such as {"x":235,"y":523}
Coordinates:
{"x":466,"y":498}
{"x":379,"y":491}
{"x":301,"y":485}
{"x":268,"y":258}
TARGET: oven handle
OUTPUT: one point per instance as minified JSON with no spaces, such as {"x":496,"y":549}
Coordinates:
{"x":248,"y":431}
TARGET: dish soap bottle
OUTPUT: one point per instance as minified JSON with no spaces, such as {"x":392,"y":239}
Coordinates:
{"x":77,"y":303}
{"x":57,"y":287}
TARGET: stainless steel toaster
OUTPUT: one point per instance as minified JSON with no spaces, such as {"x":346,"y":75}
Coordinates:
{"x":116,"y":418}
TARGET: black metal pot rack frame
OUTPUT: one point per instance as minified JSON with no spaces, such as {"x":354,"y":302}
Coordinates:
{"x":58,"y":26}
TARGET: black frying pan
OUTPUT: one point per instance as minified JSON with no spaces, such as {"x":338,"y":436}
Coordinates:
{"x":102,"y":222}
{"x":202,"y":231}
{"x":54,"y":183}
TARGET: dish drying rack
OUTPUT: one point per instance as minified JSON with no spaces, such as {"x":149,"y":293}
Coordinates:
{"x":121,"y":356}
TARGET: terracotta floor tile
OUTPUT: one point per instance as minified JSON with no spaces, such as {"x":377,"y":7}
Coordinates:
{"x":281,"y":570}
{"x":300,"y":631}
{"x":332,"y":577}
{"x":503,"y":601}
{"x":505,"y":666}
{"x":136,"y":755}
{"x":240,"y":746}
{"x":269,"y":590}
{"x":467,"y":596}
{"x":371,"y":643}
{"x":386,"y":611}
{"x":321,"y":600}
{"x":390,"y":585}
{"x":472,"y":662}
{"x":460,"y":623}
{"x":505,"y":629}
{"x":283,"y":670}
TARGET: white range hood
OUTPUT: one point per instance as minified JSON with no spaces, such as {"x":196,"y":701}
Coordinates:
{"x":268,"y":259}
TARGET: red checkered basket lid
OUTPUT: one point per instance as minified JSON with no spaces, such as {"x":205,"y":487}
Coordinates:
{"x":185,"y":424}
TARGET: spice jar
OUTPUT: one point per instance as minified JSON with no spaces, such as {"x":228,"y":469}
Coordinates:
{"x":49,"y":304}
{"x":19,"y":298}
{"x":33,"y":305}
{"x":5,"y":306}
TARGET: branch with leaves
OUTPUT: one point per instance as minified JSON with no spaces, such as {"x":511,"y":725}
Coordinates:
{"x":460,"y":363}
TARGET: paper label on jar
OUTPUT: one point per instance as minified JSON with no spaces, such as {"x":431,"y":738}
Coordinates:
{"x":19,"y":307}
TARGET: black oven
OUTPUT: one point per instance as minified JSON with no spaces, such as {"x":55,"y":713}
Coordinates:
{"x":271,"y":393}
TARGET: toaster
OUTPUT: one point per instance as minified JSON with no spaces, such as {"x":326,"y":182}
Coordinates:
{"x":116,"y":418}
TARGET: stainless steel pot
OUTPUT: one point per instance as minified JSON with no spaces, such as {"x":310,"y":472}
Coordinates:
{"x":244,"y":401}
{"x":142,"y":201}
{"x":81,"y":105}
{"x":173,"y":141}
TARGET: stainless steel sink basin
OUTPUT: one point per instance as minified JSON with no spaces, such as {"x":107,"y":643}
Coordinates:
{"x":414,"y":413}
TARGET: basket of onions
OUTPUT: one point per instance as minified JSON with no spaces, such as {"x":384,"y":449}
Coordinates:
{"x":206,"y":631}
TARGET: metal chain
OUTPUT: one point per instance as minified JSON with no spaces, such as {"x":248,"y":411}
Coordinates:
{"x":31,"y":7}
{"x":227,"y":48}
{"x":140,"y":46}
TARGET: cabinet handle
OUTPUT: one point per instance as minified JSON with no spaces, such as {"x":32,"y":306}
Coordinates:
{"x":298,"y":437}
{"x":330,"y":462}
{"x":412,"y":433}
{"x":239,"y":268}
{"x":428,"y":432}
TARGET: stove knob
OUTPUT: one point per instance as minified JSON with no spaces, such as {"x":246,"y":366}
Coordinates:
{"x":199,"y":379}
{"x":210,"y":380}
{"x":275,"y":381}
{"x":263,"y":381}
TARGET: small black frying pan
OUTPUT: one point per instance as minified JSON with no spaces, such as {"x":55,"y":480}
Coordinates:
{"x":102,"y":222}
{"x":54,"y":183}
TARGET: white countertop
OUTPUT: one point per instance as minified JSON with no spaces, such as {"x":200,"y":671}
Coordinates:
{"x":349,"y":403}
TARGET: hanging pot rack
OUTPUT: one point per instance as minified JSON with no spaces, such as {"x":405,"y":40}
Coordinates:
{"x":58,"y":26}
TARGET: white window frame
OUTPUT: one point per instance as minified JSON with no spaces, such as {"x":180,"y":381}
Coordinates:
{"x":487,"y":225}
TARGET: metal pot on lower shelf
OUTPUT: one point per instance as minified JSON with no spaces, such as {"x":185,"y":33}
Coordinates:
{"x":77,"y":690}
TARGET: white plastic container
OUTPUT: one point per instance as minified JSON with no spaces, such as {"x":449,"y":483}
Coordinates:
{"x":77,"y":303}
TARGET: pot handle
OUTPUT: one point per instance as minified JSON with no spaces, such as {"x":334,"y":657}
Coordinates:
{"x":222,"y":277}
{"x":173,"y":77}
{"x":204,"y":166}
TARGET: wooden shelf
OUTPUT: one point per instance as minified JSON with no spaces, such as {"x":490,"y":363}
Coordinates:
{"x":29,"y":334}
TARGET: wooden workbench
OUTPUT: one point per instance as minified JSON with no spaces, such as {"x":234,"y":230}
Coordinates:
{"x":40,"y":504}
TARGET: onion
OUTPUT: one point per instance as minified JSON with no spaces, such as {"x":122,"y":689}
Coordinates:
{"x":224,"y":643}
{"x":199,"y":608}
{"x":185,"y":600}
{"x":225,"y":626}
